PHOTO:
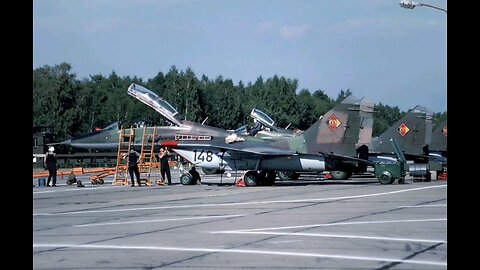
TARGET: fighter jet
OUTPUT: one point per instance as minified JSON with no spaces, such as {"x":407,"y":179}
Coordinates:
{"x":413,"y":133}
{"x":271,"y":131}
{"x":329,"y":144}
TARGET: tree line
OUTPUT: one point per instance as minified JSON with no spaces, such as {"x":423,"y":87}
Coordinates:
{"x":73,"y":106}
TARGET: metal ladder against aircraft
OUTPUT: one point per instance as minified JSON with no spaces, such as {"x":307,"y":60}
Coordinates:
{"x":125,"y":138}
{"x":148,"y":159}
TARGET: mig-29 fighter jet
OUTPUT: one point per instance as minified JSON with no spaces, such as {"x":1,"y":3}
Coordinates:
{"x":329,"y":144}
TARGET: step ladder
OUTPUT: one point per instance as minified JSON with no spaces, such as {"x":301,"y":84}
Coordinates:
{"x":149,"y":164}
{"x":125,"y":139}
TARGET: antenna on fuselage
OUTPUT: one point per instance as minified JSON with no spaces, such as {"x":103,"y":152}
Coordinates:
{"x":203,"y":122}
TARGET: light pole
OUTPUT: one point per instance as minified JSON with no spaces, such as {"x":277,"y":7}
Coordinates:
{"x":411,"y":4}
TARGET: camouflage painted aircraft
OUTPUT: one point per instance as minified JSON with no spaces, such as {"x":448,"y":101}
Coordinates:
{"x":329,"y":144}
{"x":271,"y":131}
{"x":413,"y":134}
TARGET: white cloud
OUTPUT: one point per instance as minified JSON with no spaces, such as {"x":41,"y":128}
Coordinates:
{"x":294,"y":32}
{"x":264,"y":28}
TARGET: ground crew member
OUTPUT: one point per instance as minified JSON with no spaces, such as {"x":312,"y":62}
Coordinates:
{"x":50,"y":163}
{"x":133,"y":160}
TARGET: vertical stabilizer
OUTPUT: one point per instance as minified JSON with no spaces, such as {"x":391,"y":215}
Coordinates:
{"x":439,"y":138}
{"x":413,"y":133}
{"x":338,"y":130}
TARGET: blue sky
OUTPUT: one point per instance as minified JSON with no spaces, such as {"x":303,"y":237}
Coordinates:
{"x":375,"y":48}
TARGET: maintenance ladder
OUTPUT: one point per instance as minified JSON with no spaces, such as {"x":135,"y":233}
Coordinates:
{"x":125,"y":139}
{"x":148,"y":158}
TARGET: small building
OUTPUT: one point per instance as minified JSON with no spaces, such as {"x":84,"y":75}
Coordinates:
{"x":42,"y":136}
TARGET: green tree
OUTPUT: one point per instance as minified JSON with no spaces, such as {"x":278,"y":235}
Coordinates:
{"x":55,"y":94}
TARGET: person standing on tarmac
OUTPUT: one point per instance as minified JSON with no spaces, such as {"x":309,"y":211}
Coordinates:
{"x":133,"y":160}
{"x":50,"y":163}
{"x":164,"y":167}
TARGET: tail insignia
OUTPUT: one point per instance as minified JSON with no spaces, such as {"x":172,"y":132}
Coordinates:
{"x":403,"y":129}
{"x":333,"y":122}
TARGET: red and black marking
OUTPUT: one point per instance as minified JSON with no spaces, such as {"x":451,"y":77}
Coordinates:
{"x":333,"y":122}
{"x":403,"y":129}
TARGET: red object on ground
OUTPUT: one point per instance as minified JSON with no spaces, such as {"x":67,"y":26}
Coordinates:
{"x":240,"y":183}
{"x":328,"y":176}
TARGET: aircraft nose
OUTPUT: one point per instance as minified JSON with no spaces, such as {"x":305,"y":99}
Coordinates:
{"x":67,"y":142}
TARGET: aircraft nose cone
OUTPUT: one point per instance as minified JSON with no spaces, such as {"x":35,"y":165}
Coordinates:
{"x":67,"y":142}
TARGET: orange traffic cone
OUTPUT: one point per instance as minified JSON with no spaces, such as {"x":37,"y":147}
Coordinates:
{"x":240,"y":183}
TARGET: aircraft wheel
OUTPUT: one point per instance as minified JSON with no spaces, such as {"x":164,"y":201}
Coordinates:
{"x":186,"y":179}
{"x":268,"y":178}
{"x":100,"y":181}
{"x":340,"y":175}
{"x":401,"y":180}
{"x":251,"y":178}
{"x":287,"y":175}
{"x":385,"y":178}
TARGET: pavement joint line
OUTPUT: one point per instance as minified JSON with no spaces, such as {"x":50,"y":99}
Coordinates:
{"x":243,"y":251}
{"x":242,"y":203}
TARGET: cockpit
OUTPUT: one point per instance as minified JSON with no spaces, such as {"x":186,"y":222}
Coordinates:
{"x":156,"y":102}
{"x":263,"y":118}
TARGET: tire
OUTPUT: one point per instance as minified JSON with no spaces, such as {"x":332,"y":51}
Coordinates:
{"x":340,"y":175}
{"x":268,"y":178}
{"x":251,"y":178}
{"x":287,"y":175}
{"x":186,"y":179}
{"x":385,"y":178}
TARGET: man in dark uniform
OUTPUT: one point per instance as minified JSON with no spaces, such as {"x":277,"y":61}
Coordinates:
{"x":164,"y":166}
{"x":257,"y":126}
{"x":133,"y":159}
{"x":195,"y":175}
{"x":50,"y":162}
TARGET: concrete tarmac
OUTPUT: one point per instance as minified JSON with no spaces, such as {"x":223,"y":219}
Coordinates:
{"x":304,"y":224}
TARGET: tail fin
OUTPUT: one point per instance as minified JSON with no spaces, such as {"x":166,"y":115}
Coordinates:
{"x":439,"y":138}
{"x":412,"y":133}
{"x":338,"y":130}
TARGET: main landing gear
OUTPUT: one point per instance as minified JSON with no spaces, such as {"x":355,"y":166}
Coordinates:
{"x":260,"y":178}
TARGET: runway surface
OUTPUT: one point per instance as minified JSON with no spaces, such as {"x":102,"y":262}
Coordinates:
{"x":310,"y":224}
